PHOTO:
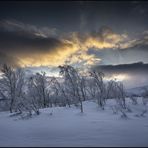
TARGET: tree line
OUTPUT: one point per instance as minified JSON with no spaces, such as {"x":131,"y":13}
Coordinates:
{"x":20,"y":93}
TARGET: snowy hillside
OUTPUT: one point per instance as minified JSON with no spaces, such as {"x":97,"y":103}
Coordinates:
{"x":136,"y":90}
{"x":60,"y":126}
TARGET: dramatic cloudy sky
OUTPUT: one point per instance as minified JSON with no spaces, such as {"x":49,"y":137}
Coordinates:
{"x":110,"y":36}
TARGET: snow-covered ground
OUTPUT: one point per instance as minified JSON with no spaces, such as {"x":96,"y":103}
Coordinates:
{"x":69,"y":127}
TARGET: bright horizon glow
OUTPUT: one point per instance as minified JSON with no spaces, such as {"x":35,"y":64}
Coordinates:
{"x":118,"y":77}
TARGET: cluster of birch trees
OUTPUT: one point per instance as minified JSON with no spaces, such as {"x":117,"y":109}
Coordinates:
{"x":20,"y":93}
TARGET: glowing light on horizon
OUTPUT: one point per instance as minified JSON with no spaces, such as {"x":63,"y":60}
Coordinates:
{"x":118,"y":77}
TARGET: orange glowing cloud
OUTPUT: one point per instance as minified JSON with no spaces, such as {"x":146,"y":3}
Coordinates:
{"x":34,"y":46}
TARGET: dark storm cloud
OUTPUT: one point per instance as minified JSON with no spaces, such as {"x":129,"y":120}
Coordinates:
{"x":29,"y":42}
{"x":132,"y":68}
{"x":63,"y":15}
{"x":122,"y":56}
{"x":74,"y":15}
{"x":19,"y":41}
{"x":132,"y":75}
{"x":130,"y":50}
{"x":26,"y":42}
{"x":15,"y":36}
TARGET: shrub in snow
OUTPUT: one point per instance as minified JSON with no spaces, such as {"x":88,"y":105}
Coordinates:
{"x":117,"y":91}
{"x":128,"y":109}
{"x":134,"y":99}
{"x":123,"y":114}
{"x":143,"y":112}
{"x":145,"y":100}
{"x":114,"y":109}
{"x":145,"y":96}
